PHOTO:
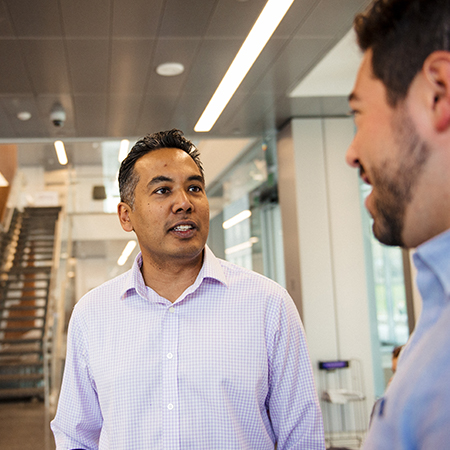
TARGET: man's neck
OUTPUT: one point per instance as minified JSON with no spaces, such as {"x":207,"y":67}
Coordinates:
{"x":171,"y":279}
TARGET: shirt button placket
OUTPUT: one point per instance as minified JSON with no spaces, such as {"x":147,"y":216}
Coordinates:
{"x":169,"y":332}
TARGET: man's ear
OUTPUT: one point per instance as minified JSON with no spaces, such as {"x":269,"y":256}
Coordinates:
{"x":123,"y":210}
{"x":436,"y":69}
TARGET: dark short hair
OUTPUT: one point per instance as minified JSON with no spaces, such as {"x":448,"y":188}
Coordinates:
{"x":401,"y":35}
{"x":128,"y":178}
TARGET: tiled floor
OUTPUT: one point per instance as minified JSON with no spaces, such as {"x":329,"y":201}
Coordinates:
{"x":25,"y":426}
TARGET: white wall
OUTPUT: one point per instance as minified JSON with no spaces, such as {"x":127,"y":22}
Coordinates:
{"x":320,"y":194}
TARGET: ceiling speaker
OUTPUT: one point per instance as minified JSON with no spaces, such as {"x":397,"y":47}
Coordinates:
{"x":99,"y":193}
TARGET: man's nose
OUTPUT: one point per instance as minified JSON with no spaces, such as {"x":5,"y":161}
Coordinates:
{"x":351,"y":156}
{"x":182,"y":202}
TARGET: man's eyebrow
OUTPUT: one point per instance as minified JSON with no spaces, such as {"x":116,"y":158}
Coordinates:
{"x":196,"y":178}
{"x":159,"y":179}
{"x":164,"y":179}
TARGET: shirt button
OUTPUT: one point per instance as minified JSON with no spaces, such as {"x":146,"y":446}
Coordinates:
{"x":172,"y":309}
{"x":169,"y":355}
{"x":170,"y":406}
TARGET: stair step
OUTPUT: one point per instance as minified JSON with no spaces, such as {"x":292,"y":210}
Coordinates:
{"x":37,"y":226}
{"x":20,"y":330}
{"x":14,"y":352}
{"x":35,"y":241}
{"x":21,"y":308}
{"x":23,"y":299}
{"x":15,"y":270}
{"x":25,"y":288}
{"x":24,"y":305}
{"x":27,"y":256}
{"x":31,"y":262}
{"x":37,"y":236}
{"x":20,"y":365}
{"x":22,"y":254}
{"x":46,"y":243}
{"x":21,"y":392}
{"x":28,"y":290}
{"x":21,"y":377}
{"x":20,"y":341}
{"x":11,"y":354}
{"x":21,"y":318}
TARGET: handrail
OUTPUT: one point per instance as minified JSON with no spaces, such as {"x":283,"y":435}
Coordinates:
{"x":50,"y":340}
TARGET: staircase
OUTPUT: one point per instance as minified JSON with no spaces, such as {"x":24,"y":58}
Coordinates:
{"x":24,"y":295}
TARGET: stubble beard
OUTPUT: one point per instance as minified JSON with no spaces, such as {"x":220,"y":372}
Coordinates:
{"x":395,"y":187}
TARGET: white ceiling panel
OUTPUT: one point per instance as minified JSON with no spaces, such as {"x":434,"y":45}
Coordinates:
{"x":98,"y":59}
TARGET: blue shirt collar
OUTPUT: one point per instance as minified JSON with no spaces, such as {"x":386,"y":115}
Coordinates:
{"x":435,"y":254}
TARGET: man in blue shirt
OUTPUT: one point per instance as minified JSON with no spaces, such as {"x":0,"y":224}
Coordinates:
{"x":401,"y":105}
{"x":184,"y":351}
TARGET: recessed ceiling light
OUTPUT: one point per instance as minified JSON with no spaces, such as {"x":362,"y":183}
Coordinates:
{"x":24,"y":115}
{"x":170,"y":69}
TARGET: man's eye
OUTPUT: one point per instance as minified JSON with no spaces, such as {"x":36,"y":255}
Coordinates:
{"x":162,"y":190}
{"x":195,"y":189}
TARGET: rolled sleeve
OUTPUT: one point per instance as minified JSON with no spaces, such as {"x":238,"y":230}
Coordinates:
{"x":293,"y":405}
{"x":78,"y":420}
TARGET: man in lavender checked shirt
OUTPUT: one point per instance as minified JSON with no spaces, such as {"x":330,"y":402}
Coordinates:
{"x":184,"y":351}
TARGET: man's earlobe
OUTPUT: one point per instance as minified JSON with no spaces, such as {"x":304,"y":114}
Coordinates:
{"x":123,"y":210}
{"x":437,"y":72}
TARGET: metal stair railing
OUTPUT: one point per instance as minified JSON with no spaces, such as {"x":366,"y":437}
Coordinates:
{"x":24,"y":294}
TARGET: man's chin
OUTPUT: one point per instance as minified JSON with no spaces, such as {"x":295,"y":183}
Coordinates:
{"x":387,"y":233}
{"x":188,"y":252}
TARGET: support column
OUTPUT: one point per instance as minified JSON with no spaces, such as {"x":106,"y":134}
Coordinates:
{"x":323,"y":241}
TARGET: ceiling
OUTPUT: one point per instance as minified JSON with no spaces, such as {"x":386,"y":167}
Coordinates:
{"x":98,"y":59}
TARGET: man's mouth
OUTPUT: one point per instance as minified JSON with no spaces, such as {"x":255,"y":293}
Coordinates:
{"x":363,"y":175}
{"x":182,"y":228}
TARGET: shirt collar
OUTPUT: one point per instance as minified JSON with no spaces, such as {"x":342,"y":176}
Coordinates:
{"x":211,"y":268}
{"x":435,"y":254}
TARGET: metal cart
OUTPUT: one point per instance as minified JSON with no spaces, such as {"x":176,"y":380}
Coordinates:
{"x":343,"y":403}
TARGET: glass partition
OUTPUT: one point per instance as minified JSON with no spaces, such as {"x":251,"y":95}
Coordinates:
{"x":246,"y":220}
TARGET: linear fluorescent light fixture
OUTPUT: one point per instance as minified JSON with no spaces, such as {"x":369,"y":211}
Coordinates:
{"x":242,"y":246}
{"x":236,"y":219}
{"x":61,"y":153}
{"x":3,"y":181}
{"x":126,"y":253}
{"x":262,"y":30}
{"x":123,"y":150}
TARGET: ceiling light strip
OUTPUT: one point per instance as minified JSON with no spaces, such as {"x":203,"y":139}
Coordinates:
{"x":61,"y":152}
{"x":242,"y":246}
{"x":123,"y":150}
{"x":262,"y":30}
{"x":126,"y":252}
{"x":238,"y":218}
{"x":3,"y":181}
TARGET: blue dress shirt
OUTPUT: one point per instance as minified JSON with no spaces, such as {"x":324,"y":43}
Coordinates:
{"x":415,"y":411}
{"x":225,"y":366}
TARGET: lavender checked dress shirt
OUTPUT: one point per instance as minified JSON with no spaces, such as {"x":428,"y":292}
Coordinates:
{"x":226,"y":366}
